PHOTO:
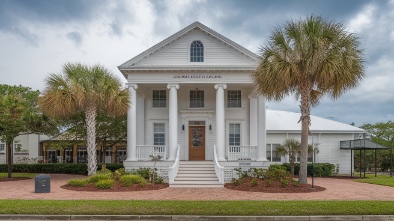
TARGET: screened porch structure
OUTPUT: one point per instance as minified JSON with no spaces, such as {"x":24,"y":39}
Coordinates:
{"x":362,"y":145}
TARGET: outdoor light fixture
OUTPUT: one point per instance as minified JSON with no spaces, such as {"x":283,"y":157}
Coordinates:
{"x":210,"y":127}
{"x":183,"y":127}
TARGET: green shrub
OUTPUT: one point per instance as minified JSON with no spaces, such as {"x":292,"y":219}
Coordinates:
{"x":277,"y":173}
{"x":100,"y":176}
{"x":143,"y":182}
{"x":104,"y":184}
{"x":120,"y":172}
{"x":144,"y":172}
{"x":255,"y":182}
{"x":235,"y":181}
{"x":284,"y":182}
{"x":78,"y":182}
{"x":64,"y":168}
{"x":104,"y":171}
{"x":277,"y":166}
{"x":159,"y":180}
{"x":129,"y":179}
{"x":321,"y":169}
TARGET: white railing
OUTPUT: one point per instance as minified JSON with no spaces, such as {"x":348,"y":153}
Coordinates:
{"x":242,"y":152}
{"x":219,"y":170}
{"x":144,"y":152}
{"x":173,"y":170}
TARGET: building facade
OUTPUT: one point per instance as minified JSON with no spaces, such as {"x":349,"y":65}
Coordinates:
{"x":193,"y":99}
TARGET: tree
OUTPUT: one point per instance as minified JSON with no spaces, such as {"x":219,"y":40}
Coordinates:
{"x":110,"y":130}
{"x":19,"y":114}
{"x":383,"y":134}
{"x":86,"y":89}
{"x":309,"y":58}
{"x":292,"y":148}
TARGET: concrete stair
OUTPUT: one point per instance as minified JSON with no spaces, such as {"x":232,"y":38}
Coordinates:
{"x":199,"y":174}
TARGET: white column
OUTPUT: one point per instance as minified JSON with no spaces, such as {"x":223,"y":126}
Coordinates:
{"x":261,"y":138}
{"x":220,"y":124}
{"x":253,"y":120}
{"x":132,"y":124}
{"x":173,"y":121}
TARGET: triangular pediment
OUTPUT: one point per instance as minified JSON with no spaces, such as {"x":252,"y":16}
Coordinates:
{"x":173,"y":53}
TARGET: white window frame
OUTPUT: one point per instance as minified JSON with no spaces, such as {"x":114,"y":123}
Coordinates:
{"x":241,"y":140}
{"x":164,"y":132}
{"x":240,"y":99}
{"x":203,"y":54}
{"x":17,"y":146}
{"x":152,"y":129}
{"x":2,"y":147}
{"x":153,"y":100}
{"x":229,"y":134}
{"x":270,"y":150}
{"x":198,"y":99}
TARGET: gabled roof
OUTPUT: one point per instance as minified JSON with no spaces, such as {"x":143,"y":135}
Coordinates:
{"x":130,"y":64}
{"x":282,"y":121}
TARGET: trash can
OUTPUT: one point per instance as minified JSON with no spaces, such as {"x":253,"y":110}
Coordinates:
{"x":42,"y":184}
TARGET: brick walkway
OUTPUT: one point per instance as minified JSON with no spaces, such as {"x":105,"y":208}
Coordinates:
{"x":337,"y":189}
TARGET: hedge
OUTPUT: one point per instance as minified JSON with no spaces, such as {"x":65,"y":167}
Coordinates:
{"x":321,"y":169}
{"x":65,"y":168}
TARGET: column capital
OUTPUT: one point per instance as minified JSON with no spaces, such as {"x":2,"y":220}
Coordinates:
{"x":224,"y":86}
{"x":133,"y":85}
{"x":173,"y":85}
{"x":252,"y":95}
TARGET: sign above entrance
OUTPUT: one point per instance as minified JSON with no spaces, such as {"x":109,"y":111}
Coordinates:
{"x":200,"y":123}
{"x":197,"y":76}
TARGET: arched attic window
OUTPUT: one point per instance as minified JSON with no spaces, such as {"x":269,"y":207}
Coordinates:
{"x":196,"y":52}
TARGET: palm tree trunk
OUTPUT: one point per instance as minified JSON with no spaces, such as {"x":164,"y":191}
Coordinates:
{"x":90,"y":115}
{"x":305,"y":89}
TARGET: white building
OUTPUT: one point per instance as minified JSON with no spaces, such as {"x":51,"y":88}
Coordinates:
{"x":25,"y":148}
{"x":193,"y":96}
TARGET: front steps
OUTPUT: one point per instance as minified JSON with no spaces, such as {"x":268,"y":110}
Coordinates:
{"x":196,"y":174}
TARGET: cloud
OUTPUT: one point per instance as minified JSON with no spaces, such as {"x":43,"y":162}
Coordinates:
{"x":76,"y":37}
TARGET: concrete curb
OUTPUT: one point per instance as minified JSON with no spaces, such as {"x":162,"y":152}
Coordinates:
{"x":188,"y":218}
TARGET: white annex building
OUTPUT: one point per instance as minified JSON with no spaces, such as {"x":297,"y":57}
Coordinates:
{"x":193,"y":102}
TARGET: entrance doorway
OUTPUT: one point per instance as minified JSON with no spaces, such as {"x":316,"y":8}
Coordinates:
{"x":196,"y":142}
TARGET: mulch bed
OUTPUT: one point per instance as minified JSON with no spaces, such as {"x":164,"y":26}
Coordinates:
{"x":6,"y":179}
{"x":117,"y":187}
{"x":276,"y":187}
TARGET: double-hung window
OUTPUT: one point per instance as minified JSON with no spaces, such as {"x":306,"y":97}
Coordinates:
{"x":2,"y":146}
{"x":159,"y":134}
{"x":196,"y":98}
{"x":234,"y":135}
{"x":159,"y":98}
{"x":233,"y":98}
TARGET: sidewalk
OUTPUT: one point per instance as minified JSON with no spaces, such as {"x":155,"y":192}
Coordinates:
{"x":337,"y":189}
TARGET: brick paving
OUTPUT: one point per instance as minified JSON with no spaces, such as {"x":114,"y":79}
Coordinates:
{"x":337,"y":189}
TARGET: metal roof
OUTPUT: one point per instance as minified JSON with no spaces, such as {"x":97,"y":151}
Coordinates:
{"x":282,"y":121}
{"x":360,"y":144}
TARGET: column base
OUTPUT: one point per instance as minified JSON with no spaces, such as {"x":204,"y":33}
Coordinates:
{"x":131,"y":159}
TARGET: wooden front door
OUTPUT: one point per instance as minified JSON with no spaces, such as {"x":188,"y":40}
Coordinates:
{"x":197,"y":143}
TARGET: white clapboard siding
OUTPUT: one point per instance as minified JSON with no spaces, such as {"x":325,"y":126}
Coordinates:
{"x":177,"y":53}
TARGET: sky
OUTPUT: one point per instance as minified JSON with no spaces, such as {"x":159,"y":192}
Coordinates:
{"x":37,"y":37}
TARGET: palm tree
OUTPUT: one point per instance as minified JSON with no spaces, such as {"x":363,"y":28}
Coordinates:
{"x":291,"y":147}
{"x":309,"y":58}
{"x":89,"y":90}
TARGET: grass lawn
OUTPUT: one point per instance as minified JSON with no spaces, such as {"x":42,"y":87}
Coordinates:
{"x":379,"y":180}
{"x":29,"y":175}
{"x":236,"y":208}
